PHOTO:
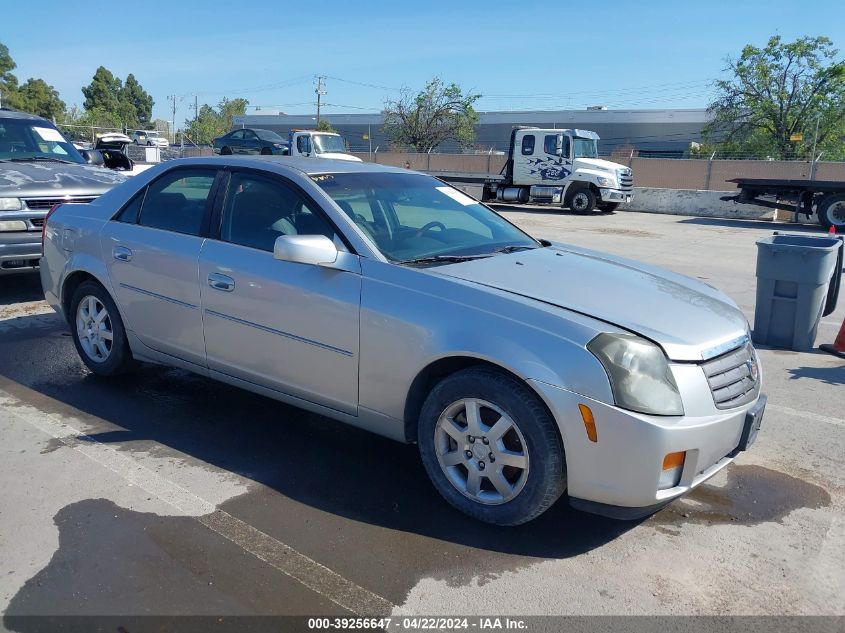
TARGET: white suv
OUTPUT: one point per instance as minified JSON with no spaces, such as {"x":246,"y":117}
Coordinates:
{"x":149,"y":137}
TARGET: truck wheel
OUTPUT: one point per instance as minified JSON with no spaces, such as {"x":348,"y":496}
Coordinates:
{"x":490,"y":447}
{"x":225,"y":152}
{"x":581,"y":200}
{"x":831,"y":211}
{"x":607,"y":207}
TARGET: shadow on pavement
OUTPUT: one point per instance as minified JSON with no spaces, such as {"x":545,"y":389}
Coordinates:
{"x":828,"y":375}
{"x":19,"y":288}
{"x":339,"y":477}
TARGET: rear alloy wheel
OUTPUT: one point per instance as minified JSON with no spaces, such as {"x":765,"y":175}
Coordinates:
{"x":490,"y":447}
{"x":581,"y":200}
{"x":98,"y":332}
{"x":225,"y":152}
{"x":831,"y":212}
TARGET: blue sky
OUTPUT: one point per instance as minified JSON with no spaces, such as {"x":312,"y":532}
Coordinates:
{"x":519,"y":54}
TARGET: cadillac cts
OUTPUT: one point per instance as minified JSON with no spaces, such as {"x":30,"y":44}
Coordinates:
{"x":391,"y":301}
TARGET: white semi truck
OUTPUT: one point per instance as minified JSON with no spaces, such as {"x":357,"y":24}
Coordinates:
{"x":555,"y":166}
{"x":319,"y":144}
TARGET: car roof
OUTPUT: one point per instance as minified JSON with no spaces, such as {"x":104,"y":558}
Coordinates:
{"x":6,"y":113}
{"x":307,"y":166}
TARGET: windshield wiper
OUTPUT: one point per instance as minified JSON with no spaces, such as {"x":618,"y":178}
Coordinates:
{"x":513,"y":248}
{"x":440,"y":259}
{"x":44,"y":158}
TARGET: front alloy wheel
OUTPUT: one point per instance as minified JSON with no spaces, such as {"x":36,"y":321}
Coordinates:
{"x":491,"y":447}
{"x":481,"y":451}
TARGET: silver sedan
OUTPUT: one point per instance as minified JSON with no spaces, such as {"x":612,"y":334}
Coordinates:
{"x":389,"y":300}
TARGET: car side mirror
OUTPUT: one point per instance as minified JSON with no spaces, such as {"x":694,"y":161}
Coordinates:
{"x":317,"y":250}
{"x":92,"y":156}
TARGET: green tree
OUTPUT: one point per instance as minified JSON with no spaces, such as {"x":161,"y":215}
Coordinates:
{"x":38,"y":97}
{"x":103,"y":93}
{"x":438,"y":113}
{"x":8,"y":81}
{"x":778,"y":91}
{"x":211,"y":123}
{"x":324,"y":126}
{"x":141,"y":103}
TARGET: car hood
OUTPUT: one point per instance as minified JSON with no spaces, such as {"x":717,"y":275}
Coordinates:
{"x":690,"y":320}
{"x":45,"y":179}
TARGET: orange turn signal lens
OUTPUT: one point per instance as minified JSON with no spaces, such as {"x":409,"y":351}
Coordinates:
{"x":674,"y":460}
{"x":589,"y":422}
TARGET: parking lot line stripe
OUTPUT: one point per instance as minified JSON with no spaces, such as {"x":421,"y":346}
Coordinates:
{"x":808,"y":415}
{"x":275,"y":553}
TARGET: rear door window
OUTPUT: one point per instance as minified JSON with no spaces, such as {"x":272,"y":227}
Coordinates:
{"x":177,"y":201}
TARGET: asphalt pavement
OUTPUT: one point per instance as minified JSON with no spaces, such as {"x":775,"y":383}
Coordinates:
{"x":161,"y":492}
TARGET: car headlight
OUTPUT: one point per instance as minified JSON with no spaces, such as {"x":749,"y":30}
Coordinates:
{"x":606,"y":182}
{"x":639,"y":374}
{"x":10,"y":204}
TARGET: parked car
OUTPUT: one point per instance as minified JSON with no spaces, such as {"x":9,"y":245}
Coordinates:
{"x":250,"y":141}
{"x":39,"y":167}
{"x":389,"y":300}
{"x":150,"y":138}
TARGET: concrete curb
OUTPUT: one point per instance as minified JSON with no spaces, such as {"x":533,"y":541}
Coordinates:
{"x":694,"y":203}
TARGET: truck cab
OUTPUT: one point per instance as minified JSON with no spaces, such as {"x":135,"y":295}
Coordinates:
{"x":318,"y":144}
{"x":561,"y":166}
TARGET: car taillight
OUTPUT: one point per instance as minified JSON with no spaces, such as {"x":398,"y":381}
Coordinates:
{"x":44,"y":226}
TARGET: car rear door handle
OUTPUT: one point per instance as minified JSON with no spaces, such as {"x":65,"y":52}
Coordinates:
{"x":221,"y":282}
{"x":122,"y":253}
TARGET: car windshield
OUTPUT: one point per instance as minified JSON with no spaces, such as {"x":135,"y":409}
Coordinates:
{"x":152,"y":134}
{"x":586,"y":148}
{"x":267,"y":135}
{"x":27,"y":140}
{"x":414,"y":217}
{"x":328,"y":143}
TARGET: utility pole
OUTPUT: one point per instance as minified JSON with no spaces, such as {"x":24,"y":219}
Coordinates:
{"x":320,"y":92}
{"x":173,"y":100}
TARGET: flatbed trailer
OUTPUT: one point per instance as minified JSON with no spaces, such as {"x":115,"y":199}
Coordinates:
{"x":824,"y":198}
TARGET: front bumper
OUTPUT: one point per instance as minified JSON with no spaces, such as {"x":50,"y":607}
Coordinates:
{"x":19,"y":252}
{"x":618,"y":474}
{"x":615,"y":195}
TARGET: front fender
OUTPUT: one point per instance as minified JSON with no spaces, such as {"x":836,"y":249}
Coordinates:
{"x":411,"y":319}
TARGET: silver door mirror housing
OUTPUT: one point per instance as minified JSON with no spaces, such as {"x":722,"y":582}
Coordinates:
{"x":317,"y":250}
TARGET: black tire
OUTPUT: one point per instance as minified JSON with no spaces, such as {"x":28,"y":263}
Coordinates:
{"x":149,"y":143}
{"x":831,"y":212}
{"x":607,"y":207}
{"x":266,"y":151}
{"x":546,"y":473}
{"x":119,"y":359}
{"x":581,"y":200}
{"x":135,"y":141}
{"x":226,"y":151}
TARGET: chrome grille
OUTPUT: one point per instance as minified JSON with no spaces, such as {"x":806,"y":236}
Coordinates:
{"x":626,"y":180}
{"x":44,"y":204}
{"x":730,"y":377}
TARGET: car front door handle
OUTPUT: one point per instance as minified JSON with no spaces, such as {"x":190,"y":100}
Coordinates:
{"x":121,"y":253}
{"x":221,"y":282}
